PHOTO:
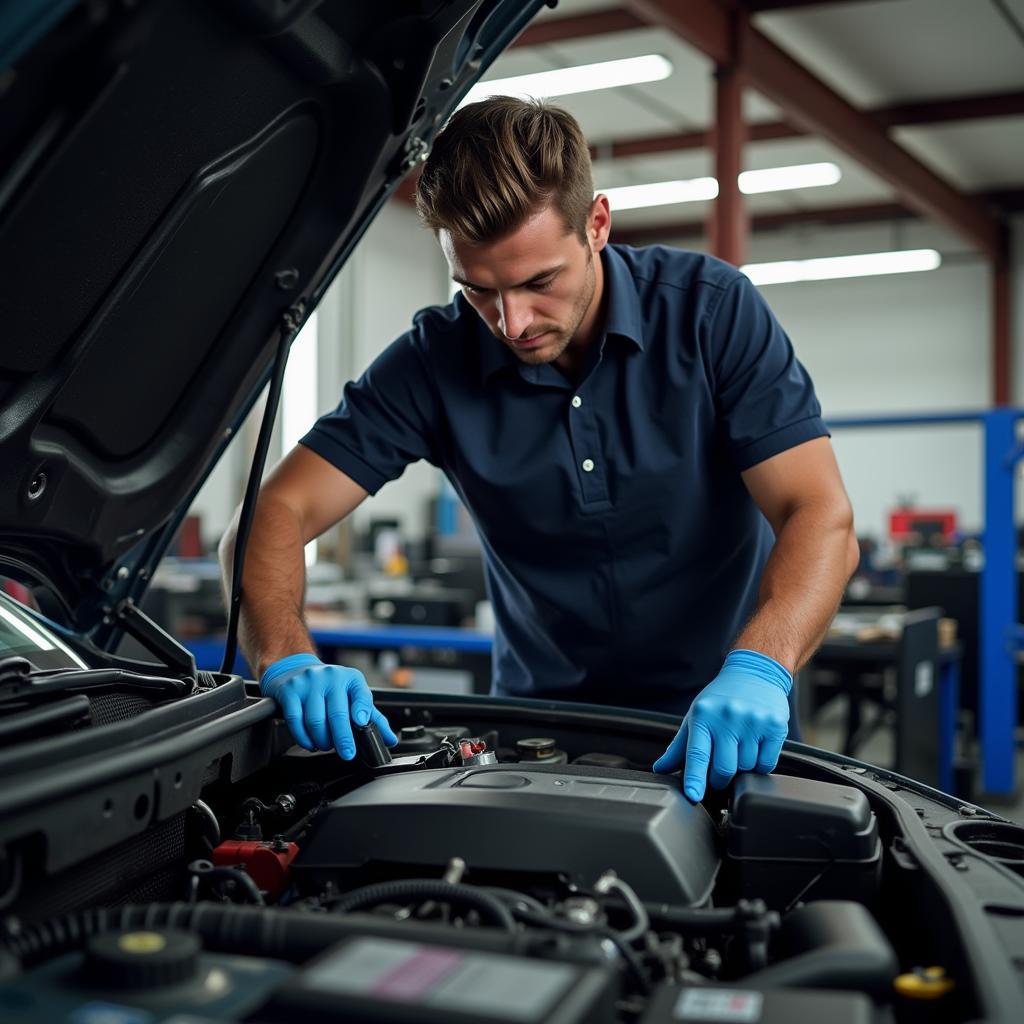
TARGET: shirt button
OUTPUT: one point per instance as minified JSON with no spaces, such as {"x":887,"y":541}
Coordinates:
{"x":588,"y":465}
{"x":576,"y":401}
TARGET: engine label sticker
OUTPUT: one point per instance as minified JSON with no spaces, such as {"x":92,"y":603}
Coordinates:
{"x":729,"y":1006}
{"x":504,"y":988}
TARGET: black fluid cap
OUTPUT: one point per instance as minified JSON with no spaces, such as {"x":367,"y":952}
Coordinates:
{"x":141,"y":958}
{"x":371,"y":746}
{"x":412,"y":732}
{"x":535,"y":748}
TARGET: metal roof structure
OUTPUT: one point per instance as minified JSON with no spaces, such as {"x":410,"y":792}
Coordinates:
{"x":920,"y":103}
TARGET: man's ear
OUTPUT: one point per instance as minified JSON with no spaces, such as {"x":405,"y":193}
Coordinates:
{"x":599,"y":223}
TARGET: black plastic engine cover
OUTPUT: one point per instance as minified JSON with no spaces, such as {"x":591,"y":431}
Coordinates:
{"x":531,"y":819}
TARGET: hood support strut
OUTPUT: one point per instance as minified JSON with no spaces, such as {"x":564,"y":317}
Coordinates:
{"x":291,"y":324}
{"x":138,"y":625}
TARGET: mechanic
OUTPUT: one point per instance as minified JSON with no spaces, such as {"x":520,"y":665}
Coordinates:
{"x":628,"y":429}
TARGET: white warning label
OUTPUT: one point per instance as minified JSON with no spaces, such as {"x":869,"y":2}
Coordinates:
{"x":725,"y":1005}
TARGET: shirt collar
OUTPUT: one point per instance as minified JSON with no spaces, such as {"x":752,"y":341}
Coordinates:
{"x":622,"y":316}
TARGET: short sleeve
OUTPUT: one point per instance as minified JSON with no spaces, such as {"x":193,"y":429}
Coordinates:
{"x":763,"y":395}
{"x":387,"y":418}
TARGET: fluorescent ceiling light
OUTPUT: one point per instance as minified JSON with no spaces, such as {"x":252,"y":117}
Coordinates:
{"x":661,"y":193}
{"x":778,"y":179}
{"x":772,"y":179}
{"x":869,"y":264}
{"x":610,"y":74}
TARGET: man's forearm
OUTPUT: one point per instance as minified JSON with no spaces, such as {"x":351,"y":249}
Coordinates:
{"x":273,"y":584}
{"x":802,"y":585}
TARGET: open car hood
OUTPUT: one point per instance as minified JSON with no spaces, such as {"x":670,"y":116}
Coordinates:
{"x":175,"y":178}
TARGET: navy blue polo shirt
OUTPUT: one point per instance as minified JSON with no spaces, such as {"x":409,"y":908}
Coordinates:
{"x":622,"y":550}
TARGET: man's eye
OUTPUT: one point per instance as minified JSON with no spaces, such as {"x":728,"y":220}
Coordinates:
{"x":473,"y":290}
{"x":543,"y":286}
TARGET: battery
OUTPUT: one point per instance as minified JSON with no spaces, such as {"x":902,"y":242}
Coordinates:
{"x":733,"y":1004}
{"x":391,"y":981}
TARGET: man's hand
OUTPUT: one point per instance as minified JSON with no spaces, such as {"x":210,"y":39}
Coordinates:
{"x":739,"y":720}
{"x":319,"y":702}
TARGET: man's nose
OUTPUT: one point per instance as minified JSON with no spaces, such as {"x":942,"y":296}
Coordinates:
{"x":514,"y":315}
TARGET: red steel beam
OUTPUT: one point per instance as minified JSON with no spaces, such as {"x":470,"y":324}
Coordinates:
{"x":766,"y":222}
{"x":647,"y":145}
{"x":943,"y":110}
{"x":1003,"y":202}
{"x":932,"y":111}
{"x":940,"y":111}
{"x":813,"y":106}
{"x":702,"y":23}
{"x":728,"y":226}
{"x":576,"y":26}
{"x":756,"y":6}
{"x":818,"y":109}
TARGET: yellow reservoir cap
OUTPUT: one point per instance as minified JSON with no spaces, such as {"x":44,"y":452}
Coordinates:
{"x":924,"y":983}
{"x":142,"y":942}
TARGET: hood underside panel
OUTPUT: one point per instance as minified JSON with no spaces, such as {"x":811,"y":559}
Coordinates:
{"x":173,"y":177}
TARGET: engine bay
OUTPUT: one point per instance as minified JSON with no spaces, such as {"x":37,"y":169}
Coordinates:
{"x":477,"y":874}
{"x":506,"y":861}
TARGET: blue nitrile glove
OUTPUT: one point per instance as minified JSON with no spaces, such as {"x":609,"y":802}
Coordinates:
{"x":319,"y":702}
{"x":739,"y":720}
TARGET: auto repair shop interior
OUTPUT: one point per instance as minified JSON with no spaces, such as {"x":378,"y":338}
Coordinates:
{"x":513,"y":857}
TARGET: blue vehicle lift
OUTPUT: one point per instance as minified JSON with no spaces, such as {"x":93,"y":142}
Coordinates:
{"x":1000,"y":634}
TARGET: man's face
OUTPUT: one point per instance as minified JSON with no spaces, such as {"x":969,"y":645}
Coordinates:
{"x":539,"y":288}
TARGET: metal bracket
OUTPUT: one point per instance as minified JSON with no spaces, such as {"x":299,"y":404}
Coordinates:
{"x":415,"y":152}
{"x":138,"y":625}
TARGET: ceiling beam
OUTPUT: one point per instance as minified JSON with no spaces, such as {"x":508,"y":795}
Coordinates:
{"x":651,"y":144}
{"x":945,"y":109}
{"x":757,"y":6}
{"x":701,"y":23}
{"x":860,"y":214}
{"x":1004,"y":202}
{"x":939,"y":111}
{"x":577,"y":26}
{"x":817,"y":109}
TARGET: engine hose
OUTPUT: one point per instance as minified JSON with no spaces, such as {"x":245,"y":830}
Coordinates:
{"x":272,"y":932}
{"x":548,"y":920}
{"x":510,"y":896}
{"x":489,"y":908}
{"x":210,"y":824}
{"x":211,"y":874}
{"x":641,"y":922}
{"x":720,"y":920}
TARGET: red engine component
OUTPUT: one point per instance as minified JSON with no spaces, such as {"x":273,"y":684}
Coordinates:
{"x":266,"y":862}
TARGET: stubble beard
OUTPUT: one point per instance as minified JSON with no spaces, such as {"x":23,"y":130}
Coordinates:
{"x":559,"y":342}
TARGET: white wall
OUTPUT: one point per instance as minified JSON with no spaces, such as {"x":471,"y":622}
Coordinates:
{"x":901,"y":344}
{"x":396,"y":270}
{"x":216,"y":501}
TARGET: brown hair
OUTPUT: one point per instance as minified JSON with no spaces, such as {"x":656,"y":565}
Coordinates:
{"x":497,"y":162}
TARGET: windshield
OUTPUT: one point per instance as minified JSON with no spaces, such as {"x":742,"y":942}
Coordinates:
{"x":23,"y":636}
